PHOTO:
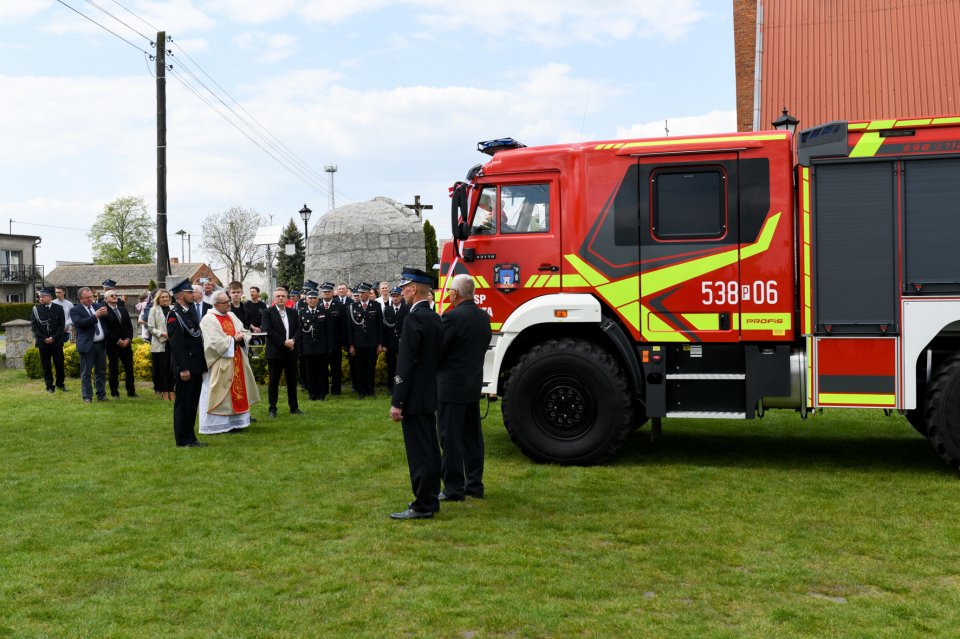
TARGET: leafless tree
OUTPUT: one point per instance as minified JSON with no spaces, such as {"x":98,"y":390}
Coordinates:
{"x":228,"y":238}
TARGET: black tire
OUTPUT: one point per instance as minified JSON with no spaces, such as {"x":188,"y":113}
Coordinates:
{"x":566,"y":402}
{"x":943,"y":411}
{"x":917,"y":418}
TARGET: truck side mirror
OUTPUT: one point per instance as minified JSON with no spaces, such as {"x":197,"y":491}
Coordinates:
{"x":458,"y":212}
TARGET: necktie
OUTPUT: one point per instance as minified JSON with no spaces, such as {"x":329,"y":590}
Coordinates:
{"x":196,"y":311}
{"x":97,"y":324}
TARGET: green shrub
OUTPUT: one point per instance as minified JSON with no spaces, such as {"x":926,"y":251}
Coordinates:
{"x":16,"y":311}
{"x":31,"y":363}
{"x":380,"y":372}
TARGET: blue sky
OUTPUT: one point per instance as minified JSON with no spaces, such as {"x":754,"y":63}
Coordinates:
{"x":395,"y":93}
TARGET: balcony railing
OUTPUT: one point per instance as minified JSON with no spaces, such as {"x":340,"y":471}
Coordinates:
{"x":20,"y":273}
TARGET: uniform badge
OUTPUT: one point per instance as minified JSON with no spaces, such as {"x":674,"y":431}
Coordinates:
{"x":397,"y":380}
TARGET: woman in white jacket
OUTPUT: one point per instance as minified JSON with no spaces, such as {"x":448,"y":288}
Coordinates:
{"x":160,"y":358}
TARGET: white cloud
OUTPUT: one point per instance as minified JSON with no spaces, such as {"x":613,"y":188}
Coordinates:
{"x":543,"y":22}
{"x":252,"y":11}
{"x":712,"y":122}
{"x":16,"y":10}
{"x":271,"y":47}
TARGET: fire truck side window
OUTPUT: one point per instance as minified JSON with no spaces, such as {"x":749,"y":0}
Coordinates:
{"x":688,"y":204}
{"x":525,"y":208}
{"x":484,"y":222}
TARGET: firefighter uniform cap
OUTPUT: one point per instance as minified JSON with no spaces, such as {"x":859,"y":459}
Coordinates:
{"x":181,"y":286}
{"x":313,"y":293}
{"x":109,"y":284}
{"x":45,"y":291}
{"x":415,"y":275}
{"x":327,"y":286}
{"x":395,"y":290}
{"x":364,"y":287}
{"x":310,"y":285}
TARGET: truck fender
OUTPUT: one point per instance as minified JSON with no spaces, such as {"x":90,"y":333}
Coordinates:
{"x":621,"y":342}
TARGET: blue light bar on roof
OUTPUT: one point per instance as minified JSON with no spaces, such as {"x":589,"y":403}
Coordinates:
{"x":503,"y":144}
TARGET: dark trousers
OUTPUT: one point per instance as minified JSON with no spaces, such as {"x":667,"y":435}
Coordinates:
{"x":51,"y":357}
{"x":125,"y":357}
{"x":391,"y":357}
{"x":335,"y":362}
{"x":316,"y":367}
{"x":423,"y":459}
{"x":365,"y":366}
{"x":185,"y":405}
{"x":462,"y":440}
{"x":353,"y":369}
{"x":302,"y":367}
{"x":94,"y":361}
{"x":288,"y":366}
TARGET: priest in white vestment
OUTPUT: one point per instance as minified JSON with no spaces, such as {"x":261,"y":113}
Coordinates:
{"x":229,"y":388}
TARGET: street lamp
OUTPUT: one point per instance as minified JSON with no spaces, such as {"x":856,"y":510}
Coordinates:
{"x":305,"y":214}
{"x":181,"y":233}
{"x":786,"y":122}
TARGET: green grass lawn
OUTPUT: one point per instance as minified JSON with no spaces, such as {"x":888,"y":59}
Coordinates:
{"x":844,"y":525}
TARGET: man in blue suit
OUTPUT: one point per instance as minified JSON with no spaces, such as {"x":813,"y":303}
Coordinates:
{"x":91,"y":344}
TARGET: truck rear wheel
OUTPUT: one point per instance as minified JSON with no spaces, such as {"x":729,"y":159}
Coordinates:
{"x":943,"y":411}
{"x":566,"y":401}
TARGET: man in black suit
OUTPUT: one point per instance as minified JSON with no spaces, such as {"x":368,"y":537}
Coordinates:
{"x":366,"y":325}
{"x":187,"y":362}
{"x":119,"y":349}
{"x":88,"y":320}
{"x":466,"y":336}
{"x":394,"y":312}
{"x":283,"y":332}
{"x":198,"y":307}
{"x":414,"y":399}
{"x":337,"y":334}
{"x":47,"y":322}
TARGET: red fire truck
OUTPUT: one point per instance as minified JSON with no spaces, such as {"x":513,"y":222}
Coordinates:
{"x":716,"y":277}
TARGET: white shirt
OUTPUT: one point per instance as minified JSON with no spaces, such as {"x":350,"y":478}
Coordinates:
{"x":67,"y":305}
{"x":286,"y":323}
{"x":98,"y":336}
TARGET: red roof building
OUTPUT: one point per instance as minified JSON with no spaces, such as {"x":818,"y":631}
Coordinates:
{"x":845,"y":60}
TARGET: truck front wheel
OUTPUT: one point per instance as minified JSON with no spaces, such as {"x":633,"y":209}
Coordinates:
{"x":943,"y":411}
{"x":566,"y":401}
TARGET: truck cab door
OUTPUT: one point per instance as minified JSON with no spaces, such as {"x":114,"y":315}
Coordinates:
{"x":513,"y":251}
{"x":689,"y":248}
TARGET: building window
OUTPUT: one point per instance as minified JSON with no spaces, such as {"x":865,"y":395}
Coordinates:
{"x":689,"y":204}
{"x":14,"y":298}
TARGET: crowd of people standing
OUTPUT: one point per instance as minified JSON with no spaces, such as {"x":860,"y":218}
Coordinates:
{"x":200,"y":339}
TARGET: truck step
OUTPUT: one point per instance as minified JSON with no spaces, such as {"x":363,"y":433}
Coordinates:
{"x":696,"y":414}
{"x":706,"y":376}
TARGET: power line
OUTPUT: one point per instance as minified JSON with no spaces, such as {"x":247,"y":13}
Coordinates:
{"x":80,"y":13}
{"x":175,"y":74}
{"x":135,"y":15}
{"x":94,"y":4}
{"x":50,"y":226}
{"x":262,"y":131}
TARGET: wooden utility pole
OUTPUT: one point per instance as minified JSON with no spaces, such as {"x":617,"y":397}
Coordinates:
{"x":417,"y":207}
{"x":163,"y":252}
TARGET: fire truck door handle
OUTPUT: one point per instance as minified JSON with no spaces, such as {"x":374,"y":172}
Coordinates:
{"x":548,"y":267}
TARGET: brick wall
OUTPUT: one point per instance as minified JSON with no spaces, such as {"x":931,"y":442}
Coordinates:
{"x":744,"y":45}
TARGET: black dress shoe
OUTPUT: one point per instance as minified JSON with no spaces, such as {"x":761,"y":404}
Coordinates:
{"x":410,"y":513}
{"x":445,"y":497}
{"x":132,"y":395}
{"x":193,"y":444}
{"x":296,"y":411}
{"x":86,"y":401}
{"x":62,"y":388}
{"x":475,"y":495}
{"x":115,"y":395}
{"x":51,"y":390}
{"x":102,"y":399}
{"x":253,"y":420}
{"x":272,"y":414}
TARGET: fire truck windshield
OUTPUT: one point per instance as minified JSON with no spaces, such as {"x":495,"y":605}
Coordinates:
{"x":524,"y":208}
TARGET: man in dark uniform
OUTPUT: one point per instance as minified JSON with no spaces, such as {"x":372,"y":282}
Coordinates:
{"x":253,"y":309}
{"x":119,"y":340}
{"x":47,"y":322}
{"x":466,"y":336}
{"x":186,"y":362}
{"x":299,"y":305}
{"x":283,"y":332}
{"x":415,"y":394}
{"x":337,"y":334}
{"x":315,"y":346}
{"x":366,"y":321}
{"x":394,"y":312}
